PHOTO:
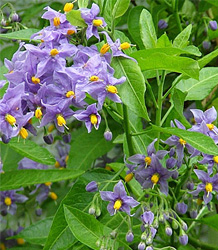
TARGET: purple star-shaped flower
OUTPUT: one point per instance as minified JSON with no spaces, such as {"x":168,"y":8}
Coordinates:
{"x":92,"y":20}
{"x":155,"y":174}
{"x":210,"y":160}
{"x":9,"y":199}
{"x":90,"y":116}
{"x":180,"y":144}
{"x":208,"y":185}
{"x":118,"y":199}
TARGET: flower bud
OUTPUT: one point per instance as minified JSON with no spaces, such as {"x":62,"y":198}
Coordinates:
{"x":149,"y":248}
{"x":129,"y":236}
{"x":67,"y":138}
{"x":92,"y":186}
{"x":108,"y":135}
{"x":183,"y":239}
{"x":162,"y":24}
{"x":113,"y":234}
{"x":3,"y":22}
{"x":15,"y":17}
{"x":161,"y":218}
{"x":213,"y":25}
{"x":168,"y":231}
{"x":141,"y":246}
{"x":190,"y":185}
{"x":193,"y":214}
{"x":174,"y":225}
{"x":181,"y":208}
{"x":184,"y":226}
{"x":91,"y":210}
{"x":149,"y":240}
{"x":98,"y":212}
{"x":144,"y":236}
{"x":38,"y":212}
{"x":5,"y":139}
{"x":206,"y":45}
{"x":49,"y":139}
{"x":175,"y":174}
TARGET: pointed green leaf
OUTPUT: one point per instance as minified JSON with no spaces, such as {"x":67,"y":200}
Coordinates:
{"x":133,"y":90}
{"x":147,"y":30}
{"x":23,"y":35}
{"x":74,"y":17}
{"x":181,"y":41}
{"x":197,"y":140}
{"x":86,"y":228}
{"x":206,"y":59}
{"x":25,"y":177}
{"x":120,"y":8}
{"x":32,"y":151}
{"x":162,"y":61}
{"x":133,"y":25}
{"x":200,"y":89}
{"x":83,"y":3}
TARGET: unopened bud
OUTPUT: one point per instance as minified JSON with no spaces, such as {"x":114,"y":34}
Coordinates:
{"x":141,"y":246}
{"x":206,"y":45}
{"x":67,"y":138}
{"x":108,"y":135}
{"x":193,"y":214}
{"x":213,"y":25}
{"x":3,"y":22}
{"x":144,"y":236}
{"x":129,"y":236}
{"x":161,"y":218}
{"x":149,"y":240}
{"x":162,"y":24}
{"x":181,"y":208}
{"x":5,"y":139}
{"x":184,"y":226}
{"x":98,"y":212}
{"x":92,"y":186}
{"x":15,"y":17}
{"x":49,"y":139}
{"x":174,"y":225}
{"x":38,"y":212}
{"x":149,"y":248}
{"x":113,"y":234}
{"x":190,"y":185}
{"x":183,"y":239}
{"x":168,"y":231}
{"x":91,"y":210}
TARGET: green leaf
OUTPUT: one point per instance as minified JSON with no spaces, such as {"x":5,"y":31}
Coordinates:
{"x":120,"y":8}
{"x":162,"y":61}
{"x":25,"y":177}
{"x":133,"y":90}
{"x":86,"y":228}
{"x":181,"y":41}
{"x":83,"y":3}
{"x":206,"y":59}
{"x":211,"y":221}
{"x":197,"y":140}
{"x":76,"y":197}
{"x":32,"y":151}
{"x":89,"y":146}
{"x":10,"y":158}
{"x":192,"y":50}
{"x":74,"y":17}
{"x":23,"y":35}
{"x":164,"y":42}
{"x":199,"y":89}
{"x":133,"y":25}
{"x":37,"y":233}
{"x":3,"y":70}
{"x":147,"y":30}
{"x":177,"y":100}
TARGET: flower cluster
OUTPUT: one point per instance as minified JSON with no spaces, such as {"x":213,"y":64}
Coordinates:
{"x":43,"y":82}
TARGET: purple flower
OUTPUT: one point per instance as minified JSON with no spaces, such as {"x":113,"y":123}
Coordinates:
{"x":181,"y":208}
{"x":180,"y":144}
{"x":210,"y":160}
{"x":208,"y":185}
{"x":162,"y":24}
{"x":90,"y":116}
{"x":213,"y":25}
{"x":143,"y":160}
{"x":206,"y":45}
{"x":55,"y":18}
{"x":58,"y":114}
{"x":155,"y":174}
{"x":8,"y":201}
{"x":147,"y":217}
{"x":118,"y":199}
{"x":92,"y":20}
{"x":117,"y":47}
{"x":141,"y":246}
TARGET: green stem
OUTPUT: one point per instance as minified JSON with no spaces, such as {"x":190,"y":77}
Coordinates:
{"x":151,"y":93}
{"x":177,"y":15}
{"x":172,"y":87}
{"x":166,"y":115}
{"x":159,"y":103}
{"x":126,"y":126}
{"x":200,"y":214}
